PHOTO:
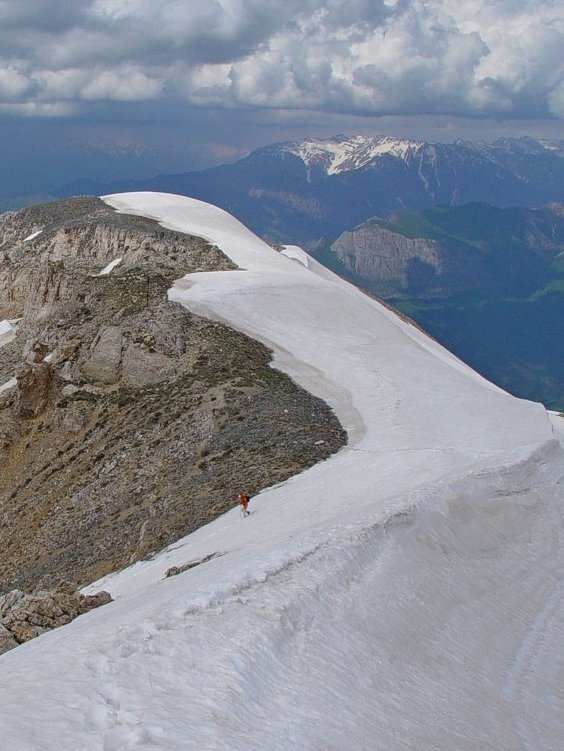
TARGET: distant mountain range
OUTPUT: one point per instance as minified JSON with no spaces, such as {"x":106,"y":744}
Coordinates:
{"x":488,"y":283}
{"x":304,"y":191}
{"x":486,"y":280}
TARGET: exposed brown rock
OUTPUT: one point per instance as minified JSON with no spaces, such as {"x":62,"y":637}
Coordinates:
{"x":175,"y":570}
{"x":103,"y":363}
{"x":153,"y":418}
{"x":7,"y":640}
{"x":34,"y":386}
{"x":25,"y":616}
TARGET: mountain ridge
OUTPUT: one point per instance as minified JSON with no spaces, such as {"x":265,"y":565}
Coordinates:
{"x":102,"y":379}
{"x":340,"y":153}
{"x":284,"y":199}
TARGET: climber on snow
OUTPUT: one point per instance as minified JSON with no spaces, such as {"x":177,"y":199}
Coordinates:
{"x":244,"y":502}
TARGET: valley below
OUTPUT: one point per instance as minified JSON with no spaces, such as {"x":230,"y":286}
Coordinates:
{"x":488,"y":283}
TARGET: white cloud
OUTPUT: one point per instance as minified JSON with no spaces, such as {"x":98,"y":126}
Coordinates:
{"x":12,"y":83}
{"x":127,"y":83}
{"x":556,"y":101}
{"x":481,"y":57}
{"x":39,"y":109}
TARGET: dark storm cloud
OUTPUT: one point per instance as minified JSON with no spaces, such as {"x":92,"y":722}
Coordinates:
{"x":477,"y":58}
{"x":48,"y":15}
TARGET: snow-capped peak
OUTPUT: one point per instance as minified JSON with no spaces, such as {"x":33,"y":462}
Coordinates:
{"x":342,"y":154}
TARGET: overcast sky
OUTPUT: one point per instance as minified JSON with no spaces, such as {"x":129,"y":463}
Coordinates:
{"x":181,"y":83}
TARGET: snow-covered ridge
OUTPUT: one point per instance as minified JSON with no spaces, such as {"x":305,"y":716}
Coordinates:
{"x":342,"y":154}
{"x":408,"y":589}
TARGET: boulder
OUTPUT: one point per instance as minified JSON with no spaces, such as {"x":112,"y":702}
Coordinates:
{"x":34,"y":386}
{"x":25,"y":616}
{"x":7,"y":641}
{"x":144,"y":368}
{"x":103,"y":364}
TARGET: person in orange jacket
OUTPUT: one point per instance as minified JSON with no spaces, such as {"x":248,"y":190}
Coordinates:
{"x":244,"y":501}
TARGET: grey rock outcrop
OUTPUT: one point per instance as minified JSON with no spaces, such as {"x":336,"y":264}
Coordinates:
{"x":34,"y":382}
{"x":377,"y":254}
{"x":104,"y":360}
{"x":24,"y":616}
{"x":141,"y":367}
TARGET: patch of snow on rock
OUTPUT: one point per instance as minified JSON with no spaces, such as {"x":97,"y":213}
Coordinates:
{"x":12,"y":383}
{"x":7,"y":332}
{"x":32,"y":236}
{"x":110,"y":267}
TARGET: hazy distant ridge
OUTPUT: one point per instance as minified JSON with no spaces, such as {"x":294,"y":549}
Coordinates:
{"x":302,"y":191}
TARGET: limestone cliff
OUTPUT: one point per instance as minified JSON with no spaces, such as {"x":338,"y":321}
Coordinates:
{"x":377,"y":254}
{"x":131,"y":421}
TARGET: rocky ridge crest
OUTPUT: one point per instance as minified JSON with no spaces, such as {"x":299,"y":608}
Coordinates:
{"x":132,"y":421}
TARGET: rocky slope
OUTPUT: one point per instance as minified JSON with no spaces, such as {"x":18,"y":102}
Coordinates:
{"x":24,"y":616}
{"x":132,"y":421}
{"x":445,"y":250}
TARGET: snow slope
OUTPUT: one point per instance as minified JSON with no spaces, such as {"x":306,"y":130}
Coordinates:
{"x":404,"y":594}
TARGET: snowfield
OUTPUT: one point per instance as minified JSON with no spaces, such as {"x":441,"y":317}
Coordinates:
{"x":404,"y":595}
